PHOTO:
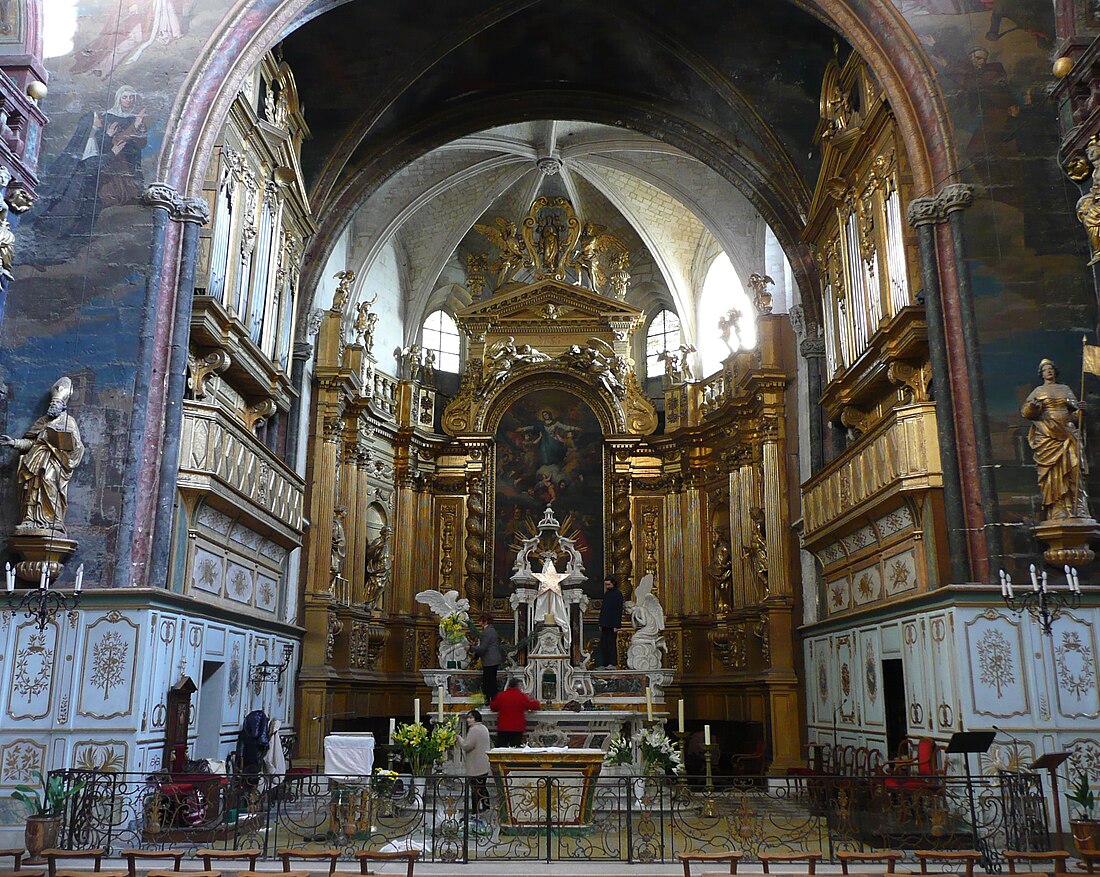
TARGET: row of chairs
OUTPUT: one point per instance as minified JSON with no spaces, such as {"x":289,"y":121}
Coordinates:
{"x":210,"y":860}
{"x":964,"y":860}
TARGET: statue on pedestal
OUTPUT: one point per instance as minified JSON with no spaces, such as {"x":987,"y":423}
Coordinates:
{"x":1056,"y":442}
{"x":451,"y":652}
{"x":377,"y":568}
{"x":648,"y":616}
{"x":50,"y":451}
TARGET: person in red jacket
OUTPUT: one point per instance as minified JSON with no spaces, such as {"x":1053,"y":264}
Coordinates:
{"x":511,"y":707}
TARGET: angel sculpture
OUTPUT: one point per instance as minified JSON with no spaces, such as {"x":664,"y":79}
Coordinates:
{"x":671,"y":359}
{"x":730,"y":326}
{"x":599,"y":360}
{"x":594,"y":241}
{"x":648,"y":616}
{"x":445,"y":604}
{"x":365,"y":322}
{"x":513,"y":251}
{"x":502,"y":357}
{"x":685,"y":361}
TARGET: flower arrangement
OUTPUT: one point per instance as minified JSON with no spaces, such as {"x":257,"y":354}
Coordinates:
{"x":382,"y":782}
{"x":454,"y":627}
{"x":619,"y":752}
{"x":659,"y":753}
{"x":421,"y":749}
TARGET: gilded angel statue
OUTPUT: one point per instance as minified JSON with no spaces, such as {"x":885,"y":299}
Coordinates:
{"x":594,"y":241}
{"x":513,"y":251}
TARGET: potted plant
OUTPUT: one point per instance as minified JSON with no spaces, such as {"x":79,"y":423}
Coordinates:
{"x":44,"y":806}
{"x":1086,"y":830}
{"x":422,"y":749}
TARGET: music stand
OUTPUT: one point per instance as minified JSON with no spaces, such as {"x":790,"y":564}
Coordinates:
{"x":1050,"y":762}
{"x":964,"y":743}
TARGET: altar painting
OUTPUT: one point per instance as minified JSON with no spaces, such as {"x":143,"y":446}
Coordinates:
{"x":549,"y":451}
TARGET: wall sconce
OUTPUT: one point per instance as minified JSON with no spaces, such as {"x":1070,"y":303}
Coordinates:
{"x":265,"y":671}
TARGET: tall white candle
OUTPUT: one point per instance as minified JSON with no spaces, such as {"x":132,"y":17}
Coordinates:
{"x":649,"y":704}
{"x":79,"y":577}
{"x":680,"y":715}
{"x":10,"y":573}
{"x":393,"y":728}
{"x":441,"y":704}
{"x":706,"y":735}
{"x":416,"y":710}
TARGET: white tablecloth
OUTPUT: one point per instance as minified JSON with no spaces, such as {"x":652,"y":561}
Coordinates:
{"x":349,"y":756}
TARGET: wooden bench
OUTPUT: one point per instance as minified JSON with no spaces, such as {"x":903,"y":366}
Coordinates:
{"x":968,"y":857}
{"x":807,"y":859}
{"x":132,"y":857}
{"x":16,"y":853}
{"x":303,"y":855}
{"x":1059,"y":860}
{"x":52,"y":857}
{"x":209,"y":856}
{"x":889,"y":857}
{"x":407,"y":856}
{"x":687,"y":858}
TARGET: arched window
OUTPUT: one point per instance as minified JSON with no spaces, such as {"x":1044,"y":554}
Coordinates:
{"x":663,"y":334}
{"x":440,"y":335}
{"x":722,"y":291}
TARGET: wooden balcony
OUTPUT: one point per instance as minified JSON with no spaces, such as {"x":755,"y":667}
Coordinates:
{"x":898,"y":455}
{"x":220,"y":457}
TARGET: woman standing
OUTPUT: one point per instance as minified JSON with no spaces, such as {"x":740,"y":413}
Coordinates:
{"x":476,"y":745}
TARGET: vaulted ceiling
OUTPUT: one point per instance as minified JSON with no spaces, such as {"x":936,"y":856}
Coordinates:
{"x":683,"y":127}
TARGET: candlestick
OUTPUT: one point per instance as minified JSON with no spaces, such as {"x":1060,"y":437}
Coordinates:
{"x":416,"y":710}
{"x":706,"y":735}
{"x":441,"y":704}
{"x":648,"y":704}
{"x":79,"y":577}
{"x":44,"y":580}
{"x":10,"y":573}
{"x":1034,"y":579}
{"x":680,"y":715}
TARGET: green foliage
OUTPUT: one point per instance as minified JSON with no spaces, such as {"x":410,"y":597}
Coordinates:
{"x":421,"y":749}
{"x":619,"y":752}
{"x":1082,"y":796}
{"x":49,"y":799}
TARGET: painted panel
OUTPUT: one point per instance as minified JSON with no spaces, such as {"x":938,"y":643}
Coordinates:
{"x":235,"y":682}
{"x":914,"y":648}
{"x":19,"y":759}
{"x":847,"y":693}
{"x":207,"y":572}
{"x":900,"y":573}
{"x":107,"y":677}
{"x":238,"y":582}
{"x":33,"y":670}
{"x":994,"y":653}
{"x":215,"y":641}
{"x":839,"y":596}
{"x":267,"y":592}
{"x":100,"y":755}
{"x":871,"y":670}
{"x":1074,"y":643}
{"x":941,"y":644}
{"x":867,"y":585}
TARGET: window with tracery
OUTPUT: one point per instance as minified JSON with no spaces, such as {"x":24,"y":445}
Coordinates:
{"x":663,"y":334}
{"x":440,"y":335}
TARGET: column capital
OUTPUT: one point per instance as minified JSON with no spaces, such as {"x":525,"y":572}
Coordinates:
{"x":957,"y":196}
{"x":812,"y":348}
{"x":192,"y":210}
{"x":163,"y":196}
{"x":303,"y":350}
{"x":925,"y":211}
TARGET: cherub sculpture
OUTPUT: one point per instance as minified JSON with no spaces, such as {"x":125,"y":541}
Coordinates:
{"x":513,"y":251}
{"x":445,"y":604}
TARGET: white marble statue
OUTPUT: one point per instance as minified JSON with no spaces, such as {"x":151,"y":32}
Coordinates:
{"x":444,"y":604}
{"x":648,"y":616}
{"x":550,"y":604}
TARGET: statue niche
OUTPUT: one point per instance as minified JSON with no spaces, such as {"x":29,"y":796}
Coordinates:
{"x":549,"y":451}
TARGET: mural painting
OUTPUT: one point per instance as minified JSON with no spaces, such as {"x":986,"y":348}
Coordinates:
{"x":549,"y":452}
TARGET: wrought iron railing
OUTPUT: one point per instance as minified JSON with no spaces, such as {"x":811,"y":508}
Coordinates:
{"x":622,"y":818}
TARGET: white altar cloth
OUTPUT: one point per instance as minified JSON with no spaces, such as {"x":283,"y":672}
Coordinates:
{"x":349,"y":756}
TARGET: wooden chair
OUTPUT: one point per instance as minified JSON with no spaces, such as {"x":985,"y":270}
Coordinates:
{"x":969,"y":857}
{"x":302,"y":854}
{"x":809,"y":859}
{"x":687,"y":858}
{"x":176,"y":856}
{"x":408,"y":856}
{"x":16,"y":853}
{"x":890,"y":857}
{"x":251,"y":855}
{"x":52,"y":856}
{"x":1059,"y":860}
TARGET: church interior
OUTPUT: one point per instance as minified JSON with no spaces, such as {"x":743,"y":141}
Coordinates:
{"x":720,"y":376}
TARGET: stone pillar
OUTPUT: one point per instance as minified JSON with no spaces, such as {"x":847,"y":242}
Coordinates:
{"x":924,"y":213}
{"x":813,"y":351}
{"x":192,"y":213}
{"x":303,"y":350}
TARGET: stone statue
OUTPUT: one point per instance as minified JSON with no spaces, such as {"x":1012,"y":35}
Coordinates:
{"x":444,"y":604}
{"x":427,"y":369}
{"x":730,"y":327}
{"x":365,"y":323}
{"x":502,"y":357}
{"x":377,"y":570}
{"x":339,"y":543}
{"x":685,"y":361}
{"x":598,"y":360}
{"x":1056,"y":443}
{"x":50,"y":451}
{"x":343,"y":290}
{"x":648,"y":617}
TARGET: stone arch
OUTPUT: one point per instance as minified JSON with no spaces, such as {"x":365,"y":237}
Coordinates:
{"x":550,"y":377}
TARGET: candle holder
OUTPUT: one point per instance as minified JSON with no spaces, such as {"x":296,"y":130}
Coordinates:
{"x":42,"y":604}
{"x":708,"y":791}
{"x":1041,"y":602}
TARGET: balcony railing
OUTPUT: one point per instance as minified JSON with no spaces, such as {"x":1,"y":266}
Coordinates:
{"x":218,"y":453}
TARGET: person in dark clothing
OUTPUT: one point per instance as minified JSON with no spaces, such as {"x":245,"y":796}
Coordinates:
{"x":491,"y":654}
{"x":511,"y":706}
{"x":611,"y":619}
{"x":252,"y":743}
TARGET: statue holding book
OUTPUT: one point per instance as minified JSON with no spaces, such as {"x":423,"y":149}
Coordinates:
{"x":50,"y":451}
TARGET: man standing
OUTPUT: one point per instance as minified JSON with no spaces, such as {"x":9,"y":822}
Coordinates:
{"x":491,"y":654}
{"x":611,"y":619}
{"x":511,"y":706}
